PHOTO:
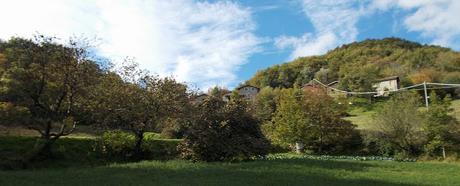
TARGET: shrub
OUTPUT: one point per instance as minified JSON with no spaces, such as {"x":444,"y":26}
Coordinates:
{"x":117,"y":144}
{"x":120,"y":145}
{"x":398,"y":125}
{"x":223,"y":132}
{"x":441,"y":128}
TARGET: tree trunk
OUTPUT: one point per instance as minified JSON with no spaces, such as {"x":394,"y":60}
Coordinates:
{"x":299,"y":147}
{"x":42,"y":150}
{"x":45,"y":146}
{"x":320,"y":149}
{"x":138,"y":145}
{"x":443,"y":152}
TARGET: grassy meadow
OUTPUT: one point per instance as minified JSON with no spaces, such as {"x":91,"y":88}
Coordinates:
{"x":74,"y":164}
{"x":362,"y":116}
{"x":289,"y":171}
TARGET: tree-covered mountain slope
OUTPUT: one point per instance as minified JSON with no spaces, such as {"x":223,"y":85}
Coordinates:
{"x":358,"y":64}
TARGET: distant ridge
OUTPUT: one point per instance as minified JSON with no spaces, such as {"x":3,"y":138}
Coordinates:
{"x":357,"y":64}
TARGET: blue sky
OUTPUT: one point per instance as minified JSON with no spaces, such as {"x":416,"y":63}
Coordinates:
{"x":207,"y":43}
{"x":275,"y":18}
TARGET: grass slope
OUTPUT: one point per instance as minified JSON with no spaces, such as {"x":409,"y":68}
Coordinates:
{"x":262,"y":172}
{"x":363,"y":117}
{"x":456,"y":107}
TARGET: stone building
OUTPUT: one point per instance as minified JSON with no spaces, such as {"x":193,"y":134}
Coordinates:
{"x":382,"y":86}
{"x":248,"y":92}
{"x":199,"y":98}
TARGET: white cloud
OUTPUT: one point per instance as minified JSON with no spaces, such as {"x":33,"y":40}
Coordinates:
{"x":307,"y":45}
{"x":198,"y":42}
{"x":334,"y":23}
{"x":434,"y":19}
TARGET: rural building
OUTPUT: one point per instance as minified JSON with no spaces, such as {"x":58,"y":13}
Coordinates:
{"x":331,"y":90}
{"x":333,"y":84}
{"x":314,"y":87}
{"x":227,"y":96}
{"x":382,"y":86}
{"x":199,"y":98}
{"x":248,"y":92}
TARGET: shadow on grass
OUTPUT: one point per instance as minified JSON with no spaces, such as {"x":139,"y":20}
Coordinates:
{"x":70,"y":153}
{"x":267,"y":172}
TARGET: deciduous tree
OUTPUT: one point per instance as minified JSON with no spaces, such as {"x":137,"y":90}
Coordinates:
{"x":51,"y":81}
{"x":398,"y":124}
{"x":311,"y":118}
{"x":441,"y":128}
{"x":135,"y":101}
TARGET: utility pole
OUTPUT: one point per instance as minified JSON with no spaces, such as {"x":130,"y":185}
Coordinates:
{"x":426,"y":94}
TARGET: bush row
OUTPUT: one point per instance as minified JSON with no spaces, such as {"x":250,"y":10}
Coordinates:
{"x":120,"y":145}
{"x":110,"y":147}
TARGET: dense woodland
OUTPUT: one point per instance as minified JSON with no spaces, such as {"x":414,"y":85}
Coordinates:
{"x":54,"y":88}
{"x":357,"y":65}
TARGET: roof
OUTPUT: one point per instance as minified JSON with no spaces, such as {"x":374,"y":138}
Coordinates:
{"x":199,"y":95}
{"x":311,"y":84}
{"x":228,"y":95}
{"x":388,"y":79}
{"x":226,"y":91}
{"x":242,"y":86}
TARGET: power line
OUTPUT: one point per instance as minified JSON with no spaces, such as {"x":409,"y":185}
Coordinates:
{"x":343,"y":91}
{"x":413,"y":87}
{"x":446,"y":86}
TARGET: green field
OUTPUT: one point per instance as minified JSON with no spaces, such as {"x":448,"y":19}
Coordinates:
{"x":74,"y":165}
{"x":301,"y":171}
{"x":362,"y":117}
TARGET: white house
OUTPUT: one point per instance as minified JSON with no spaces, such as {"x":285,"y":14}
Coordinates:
{"x":382,"y":86}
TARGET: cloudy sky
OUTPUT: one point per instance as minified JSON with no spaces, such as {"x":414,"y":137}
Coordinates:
{"x":206,"y":43}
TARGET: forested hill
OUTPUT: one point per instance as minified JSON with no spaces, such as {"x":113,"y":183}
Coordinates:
{"x":357,"y":65}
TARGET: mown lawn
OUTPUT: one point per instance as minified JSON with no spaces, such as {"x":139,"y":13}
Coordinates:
{"x":302,"y":171}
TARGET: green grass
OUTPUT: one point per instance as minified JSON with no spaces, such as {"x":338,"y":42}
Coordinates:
{"x":456,"y":107}
{"x":300,"y":171}
{"x":362,"y":117}
{"x":74,"y":166}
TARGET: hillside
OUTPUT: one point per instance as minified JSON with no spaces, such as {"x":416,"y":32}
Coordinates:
{"x":357,"y":65}
{"x":362,"y":117}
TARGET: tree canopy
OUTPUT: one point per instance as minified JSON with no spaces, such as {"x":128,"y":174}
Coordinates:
{"x":358,"y":64}
{"x":47,"y":81}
